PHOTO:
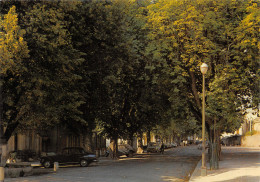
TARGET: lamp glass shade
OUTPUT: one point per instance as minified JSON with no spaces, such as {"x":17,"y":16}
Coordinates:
{"x":204,"y":68}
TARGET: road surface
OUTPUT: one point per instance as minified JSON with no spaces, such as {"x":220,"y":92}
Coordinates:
{"x":175,"y":164}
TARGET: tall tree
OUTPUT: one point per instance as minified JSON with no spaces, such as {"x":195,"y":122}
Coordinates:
{"x":45,"y":93}
{"x":186,"y":33}
{"x":13,"y":53}
{"x":52,"y":94}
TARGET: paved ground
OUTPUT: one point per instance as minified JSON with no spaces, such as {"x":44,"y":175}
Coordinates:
{"x":238,"y":164}
{"x":175,"y":164}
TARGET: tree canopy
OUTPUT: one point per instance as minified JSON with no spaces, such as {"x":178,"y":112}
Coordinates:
{"x":186,"y":33}
{"x":127,"y":66}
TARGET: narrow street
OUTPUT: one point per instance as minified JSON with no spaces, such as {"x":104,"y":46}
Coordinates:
{"x":175,"y":164}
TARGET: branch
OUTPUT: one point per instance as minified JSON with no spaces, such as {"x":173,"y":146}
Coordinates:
{"x":194,"y":89}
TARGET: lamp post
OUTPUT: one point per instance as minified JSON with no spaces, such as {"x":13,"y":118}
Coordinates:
{"x":203,"y":69}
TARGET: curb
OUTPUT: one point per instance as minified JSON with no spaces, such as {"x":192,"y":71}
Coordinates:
{"x":18,"y":172}
{"x":196,"y":171}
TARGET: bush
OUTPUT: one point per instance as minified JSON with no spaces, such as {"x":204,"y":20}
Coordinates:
{"x":250,"y":133}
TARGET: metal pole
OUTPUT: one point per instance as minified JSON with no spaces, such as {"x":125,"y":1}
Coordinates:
{"x":250,"y":125}
{"x":56,"y":166}
{"x":203,"y":166}
{"x":2,"y":174}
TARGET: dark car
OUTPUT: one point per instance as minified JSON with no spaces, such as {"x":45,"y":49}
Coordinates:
{"x":153,"y":147}
{"x":21,"y":156}
{"x":123,"y":149}
{"x":70,"y":155}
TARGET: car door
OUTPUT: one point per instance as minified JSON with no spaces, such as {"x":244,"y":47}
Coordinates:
{"x":76,"y":155}
{"x":65,"y":156}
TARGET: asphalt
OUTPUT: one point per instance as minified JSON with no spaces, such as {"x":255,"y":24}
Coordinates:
{"x":237,"y":164}
{"x":174,"y":165}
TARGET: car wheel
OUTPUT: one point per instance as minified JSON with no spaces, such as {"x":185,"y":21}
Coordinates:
{"x":84,"y":163}
{"x":47,"y":164}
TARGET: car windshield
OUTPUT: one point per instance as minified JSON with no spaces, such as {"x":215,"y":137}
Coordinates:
{"x":153,"y":144}
{"x":81,"y":151}
{"x":73,"y":151}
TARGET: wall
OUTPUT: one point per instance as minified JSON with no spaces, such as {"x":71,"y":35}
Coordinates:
{"x":30,"y":141}
{"x":250,"y":141}
{"x":257,"y":127}
{"x":54,"y":140}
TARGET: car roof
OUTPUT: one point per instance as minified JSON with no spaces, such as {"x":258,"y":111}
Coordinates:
{"x":72,"y":148}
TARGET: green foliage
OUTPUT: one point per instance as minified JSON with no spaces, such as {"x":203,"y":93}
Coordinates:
{"x":43,"y":93}
{"x":128,"y":66}
{"x":250,"y":133}
{"x":120,"y":71}
{"x":13,"y":48}
{"x":52,"y":95}
{"x":183,"y":34}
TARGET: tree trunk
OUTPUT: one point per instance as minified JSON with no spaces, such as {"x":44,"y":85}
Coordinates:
{"x":219,"y":145}
{"x":148,"y":136}
{"x":3,"y":141}
{"x":130,"y":141}
{"x":194,"y":138}
{"x":214,"y":136}
{"x":140,"y":148}
{"x":89,"y":144}
{"x":113,"y":148}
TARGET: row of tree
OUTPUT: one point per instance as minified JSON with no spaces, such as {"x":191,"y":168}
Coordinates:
{"x":126,"y":66}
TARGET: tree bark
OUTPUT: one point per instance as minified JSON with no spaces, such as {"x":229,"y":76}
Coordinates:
{"x":214,"y":147}
{"x":194,"y":89}
{"x":113,"y":151}
{"x":140,"y":143}
{"x":3,"y":146}
{"x":148,"y":136}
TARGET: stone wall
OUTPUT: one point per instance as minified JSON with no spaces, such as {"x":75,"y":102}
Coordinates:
{"x":250,"y":141}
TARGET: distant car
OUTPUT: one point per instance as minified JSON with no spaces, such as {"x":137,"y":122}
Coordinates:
{"x":70,"y":155}
{"x":153,"y":147}
{"x":206,"y":145}
{"x":170,"y":145}
{"x":126,"y":149}
{"x":174,"y":145}
{"x":123,"y":149}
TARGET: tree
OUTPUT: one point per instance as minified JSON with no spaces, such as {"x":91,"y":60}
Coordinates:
{"x":116,"y":84}
{"x":247,"y":48}
{"x":185,"y":33}
{"x":52,"y":92}
{"x":13,"y":47}
{"x":13,"y":52}
{"x":44,"y":94}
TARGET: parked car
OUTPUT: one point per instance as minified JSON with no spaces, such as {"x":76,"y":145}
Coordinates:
{"x":70,"y":155}
{"x":123,"y":149}
{"x":231,"y":140}
{"x":171,"y":145}
{"x":21,"y":156}
{"x":206,"y":145}
{"x":153,"y":147}
{"x":174,"y":145}
{"x":126,"y":149}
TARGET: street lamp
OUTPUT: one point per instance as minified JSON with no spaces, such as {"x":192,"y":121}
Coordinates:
{"x":203,"y":69}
